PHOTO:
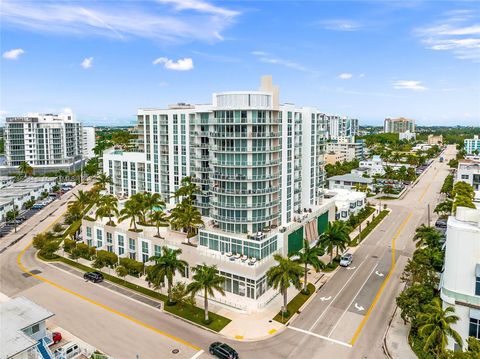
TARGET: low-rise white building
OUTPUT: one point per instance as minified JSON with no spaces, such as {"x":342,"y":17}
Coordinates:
{"x":421,"y":147}
{"x":348,"y":181}
{"x":469,"y":171}
{"x":460,"y":281}
{"x":347,"y":202}
{"x":349,"y":150}
{"x":5,"y":181}
{"x":407,"y":136}
{"x":375,"y":165}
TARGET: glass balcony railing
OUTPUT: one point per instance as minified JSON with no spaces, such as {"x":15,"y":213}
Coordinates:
{"x":246,"y":191}
{"x":239,"y":177}
{"x":230,"y":205}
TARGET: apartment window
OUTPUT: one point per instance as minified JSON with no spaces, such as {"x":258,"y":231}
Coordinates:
{"x":131,"y":244}
{"x":474,"y":328}
{"x":99,"y":234}
{"x":464,"y":176}
{"x":89,"y":231}
{"x":477,"y":285}
{"x":145,"y":255}
{"x":157,"y":250}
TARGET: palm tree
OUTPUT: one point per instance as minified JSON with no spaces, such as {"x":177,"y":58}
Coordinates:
{"x":336,"y":236}
{"x":132,"y":211}
{"x":103,"y":180}
{"x":25,"y":168}
{"x":159,"y":219}
{"x":206,"y":278}
{"x":309,"y":256}
{"x":153,"y":201}
{"x":188,"y":217}
{"x":83,"y":199}
{"x":425,"y":235}
{"x":281,"y":276}
{"x":435,"y":327}
{"x":107,"y":207}
{"x":167,"y":264}
{"x":187,"y":191}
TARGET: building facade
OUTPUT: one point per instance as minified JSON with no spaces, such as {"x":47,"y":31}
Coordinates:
{"x":347,"y":150}
{"x":341,"y":127}
{"x":398,"y":125}
{"x":460,"y":281}
{"x":47,"y":143}
{"x":88,"y":142}
{"x":468,"y":171}
{"x":259,"y":165}
{"x":435,"y":140}
{"x":472,"y":145}
{"x":407,"y":136}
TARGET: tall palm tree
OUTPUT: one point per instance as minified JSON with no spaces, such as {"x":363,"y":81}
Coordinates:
{"x":427,"y":236}
{"x":107,"y":207}
{"x":435,"y":327}
{"x":206,"y":278}
{"x":153,"y":201}
{"x":188,"y":217}
{"x":25,"y":168}
{"x":159,"y":219}
{"x":82,"y":199}
{"x":309,"y":256}
{"x":187,"y":191}
{"x":132,"y":211}
{"x":284,"y":274}
{"x":166,"y":265}
{"x":103,"y":180}
{"x":336,"y":236}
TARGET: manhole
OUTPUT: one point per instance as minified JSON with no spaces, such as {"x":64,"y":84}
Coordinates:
{"x":269,"y":321}
{"x":26,"y":275}
{"x":175,"y":351}
{"x":374,"y":256}
{"x":35,"y":271}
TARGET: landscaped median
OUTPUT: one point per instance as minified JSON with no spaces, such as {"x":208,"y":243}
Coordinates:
{"x":295,"y":304}
{"x":370,"y":227}
{"x":187,"y":312}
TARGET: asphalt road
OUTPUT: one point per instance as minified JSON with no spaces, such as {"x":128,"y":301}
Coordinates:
{"x":346,"y":319}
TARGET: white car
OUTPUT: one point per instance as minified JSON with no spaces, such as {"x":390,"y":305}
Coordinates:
{"x":346,"y":259}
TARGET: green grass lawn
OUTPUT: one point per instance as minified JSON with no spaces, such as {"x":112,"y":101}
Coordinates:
{"x":294,"y":305}
{"x":195,"y":314}
{"x":366,"y":231}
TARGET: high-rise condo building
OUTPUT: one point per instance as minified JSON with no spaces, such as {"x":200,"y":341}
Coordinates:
{"x":472,"y":145}
{"x":341,"y":128}
{"x":47,"y":142}
{"x":398,"y":125}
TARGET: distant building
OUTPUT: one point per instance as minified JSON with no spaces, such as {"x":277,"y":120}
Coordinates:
{"x":469,"y":171}
{"x":333,"y":157}
{"x":472,"y":145}
{"x":460,"y":281}
{"x":398,"y":125}
{"x":341,"y":127}
{"x":88,"y":142}
{"x":48,"y":143}
{"x":347,"y":202}
{"x":421,"y":147}
{"x":347,"y":149}
{"x":375,"y":166}
{"x":23,"y":333}
{"x":435,"y":140}
{"x":348,"y":181}
{"x":407,"y":136}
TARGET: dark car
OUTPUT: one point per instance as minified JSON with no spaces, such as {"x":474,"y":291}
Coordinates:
{"x":441,"y":223}
{"x":223,"y":351}
{"x":95,"y":277}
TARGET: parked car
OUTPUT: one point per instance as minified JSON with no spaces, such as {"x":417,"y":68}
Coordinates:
{"x":223,"y":351}
{"x":441,"y":223}
{"x":95,"y":277}
{"x":346,"y":259}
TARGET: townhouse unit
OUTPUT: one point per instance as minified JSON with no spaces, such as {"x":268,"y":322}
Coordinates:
{"x":468,"y":171}
{"x":398,"y":125}
{"x":472,"y":145}
{"x":30,"y":188}
{"x":259,"y":165}
{"x":347,"y":202}
{"x":47,"y":142}
{"x":460,"y":281}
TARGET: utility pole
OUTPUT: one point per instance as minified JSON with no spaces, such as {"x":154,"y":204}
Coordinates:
{"x":428,"y":214}
{"x":360,"y":232}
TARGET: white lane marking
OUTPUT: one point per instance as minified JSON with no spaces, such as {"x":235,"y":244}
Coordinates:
{"x":378,"y":273}
{"x":359,"y":307}
{"x":355,"y":296}
{"x":325,"y":298}
{"x":351,"y":268}
{"x":320,"y":336}
{"x":336,"y":295}
{"x":197,"y":354}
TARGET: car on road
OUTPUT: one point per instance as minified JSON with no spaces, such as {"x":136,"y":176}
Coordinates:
{"x":346,"y":259}
{"x":223,"y":351}
{"x":94,"y":277}
{"x":441,"y":223}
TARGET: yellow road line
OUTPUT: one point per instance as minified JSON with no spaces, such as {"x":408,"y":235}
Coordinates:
{"x":390,"y":272}
{"x":103,"y":306}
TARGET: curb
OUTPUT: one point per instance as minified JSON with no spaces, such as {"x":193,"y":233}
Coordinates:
{"x":384,"y":341}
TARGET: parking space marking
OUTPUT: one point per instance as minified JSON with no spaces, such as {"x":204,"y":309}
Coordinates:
{"x":321,"y":336}
{"x":103,"y":306}
{"x":197,"y":354}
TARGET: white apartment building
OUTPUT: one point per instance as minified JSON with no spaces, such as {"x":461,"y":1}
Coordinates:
{"x":341,"y":127}
{"x":347,"y":202}
{"x":88,"y":142}
{"x":468,"y":171}
{"x":259,"y":165}
{"x":348,"y":181}
{"x":398,"y":125}
{"x":460,"y":281}
{"x":47,"y":142}
{"x":347,"y":150}
{"x":374,"y":166}
{"x":472,"y":145}
{"x":407,"y":136}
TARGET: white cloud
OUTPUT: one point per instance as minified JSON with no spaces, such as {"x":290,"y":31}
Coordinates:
{"x":185,"y":64}
{"x":270,"y":59}
{"x":361,"y":76}
{"x":345,"y":76}
{"x":409,"y":85}
{"x":13,"y":54}
{"x":340,"y":25}
{"x":167,"y":21}
{"x":457,"y":32}
{"x":87,"y":62}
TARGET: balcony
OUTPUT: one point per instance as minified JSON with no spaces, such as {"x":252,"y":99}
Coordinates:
{"x":247,"y":192}
{"x":270,"y":162}
{"x":262,"y":177}
{"x":243,"y":219}
{"x":227,"y":205}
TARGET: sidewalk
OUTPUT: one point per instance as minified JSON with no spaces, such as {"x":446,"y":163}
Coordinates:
{"x":396,"y":342}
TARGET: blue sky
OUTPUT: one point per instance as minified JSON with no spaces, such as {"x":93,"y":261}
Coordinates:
{"x":365,"y":59}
